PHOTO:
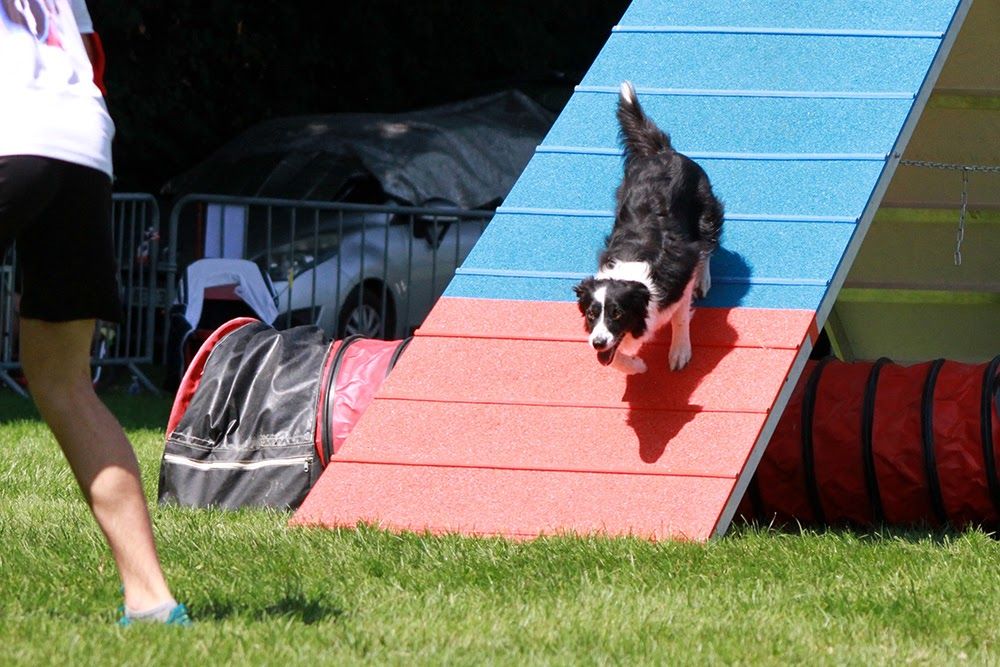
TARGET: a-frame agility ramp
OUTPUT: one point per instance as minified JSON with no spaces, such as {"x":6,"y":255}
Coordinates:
{"x":498,"y":420}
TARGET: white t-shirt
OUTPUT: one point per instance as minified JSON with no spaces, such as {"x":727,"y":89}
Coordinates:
{"x":49,"y":103}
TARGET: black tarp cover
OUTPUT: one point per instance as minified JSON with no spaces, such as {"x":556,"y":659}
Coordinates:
{"x":260,"y":412}
{"x":246,"y":436}
{"x":467,"y":154}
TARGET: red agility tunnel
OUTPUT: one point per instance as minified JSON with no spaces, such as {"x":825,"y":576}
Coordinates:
{"x":260,"y":412}
{"x":866,"y":444}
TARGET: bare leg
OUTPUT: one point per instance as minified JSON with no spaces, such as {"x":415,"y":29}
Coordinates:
{"x":56,"y":360}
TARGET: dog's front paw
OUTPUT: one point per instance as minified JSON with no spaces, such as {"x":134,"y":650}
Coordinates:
{"x":629,"y":365}
{"x":638,"y":365}
{"x":680,"y":355}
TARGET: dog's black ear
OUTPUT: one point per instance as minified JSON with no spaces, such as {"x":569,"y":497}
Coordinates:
{"x":586,"y":286}
{"x":584,"y":293}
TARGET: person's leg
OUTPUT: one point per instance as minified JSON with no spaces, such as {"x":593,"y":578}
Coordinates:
{"x":56,"y":361}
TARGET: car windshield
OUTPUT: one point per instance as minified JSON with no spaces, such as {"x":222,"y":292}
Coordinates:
{"x":290,"y":260}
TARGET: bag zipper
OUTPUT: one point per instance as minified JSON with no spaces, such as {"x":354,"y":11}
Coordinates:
{"x":237,"y":465}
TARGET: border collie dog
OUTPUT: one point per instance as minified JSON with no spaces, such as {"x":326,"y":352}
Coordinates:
{"x":667,"y":224}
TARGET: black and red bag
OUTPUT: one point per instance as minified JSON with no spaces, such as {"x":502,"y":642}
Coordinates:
{"x":868,"y":444}
{"x":260,"y":412}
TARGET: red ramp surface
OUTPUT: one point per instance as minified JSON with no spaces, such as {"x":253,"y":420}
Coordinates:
{"x":522,"y":436}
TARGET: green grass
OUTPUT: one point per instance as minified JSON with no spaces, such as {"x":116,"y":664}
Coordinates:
{"x":265,"y":594}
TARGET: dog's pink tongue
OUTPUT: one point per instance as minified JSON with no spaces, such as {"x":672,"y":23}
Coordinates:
{"x":605,"y":356}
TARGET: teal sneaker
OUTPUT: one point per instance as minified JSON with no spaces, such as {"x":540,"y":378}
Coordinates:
{"x":177,"y":616}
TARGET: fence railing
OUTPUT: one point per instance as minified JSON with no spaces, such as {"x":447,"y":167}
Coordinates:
{"x":136,"y":224}
{"x":350,"y":268}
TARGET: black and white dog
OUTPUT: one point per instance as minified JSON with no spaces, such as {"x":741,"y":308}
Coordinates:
{"x":667,"y":224}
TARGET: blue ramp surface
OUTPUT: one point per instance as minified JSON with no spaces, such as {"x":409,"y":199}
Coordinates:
{"x":797,"y":111}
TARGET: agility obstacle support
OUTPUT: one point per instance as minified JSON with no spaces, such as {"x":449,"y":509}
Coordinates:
{"x":498,"y":419}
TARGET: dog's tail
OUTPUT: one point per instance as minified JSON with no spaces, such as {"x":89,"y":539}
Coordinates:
{"x":639,"y":135}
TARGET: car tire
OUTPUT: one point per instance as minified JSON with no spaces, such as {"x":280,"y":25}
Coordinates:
{"x":362,"y":314}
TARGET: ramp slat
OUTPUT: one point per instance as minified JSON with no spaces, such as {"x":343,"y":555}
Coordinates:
{"x":553,"y":438}
{"x":763,"y":62}
{"x":705,"y":123}
{"x":763,"y":248}
{"x":515,"y":503}
{"x":830,"y":14}
{"x":758,"y":187}
{"x":560,"y":320}
{"x":749,"y":294}
{"x":564,"y":373}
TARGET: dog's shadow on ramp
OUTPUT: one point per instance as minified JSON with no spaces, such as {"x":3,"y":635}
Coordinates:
{"x":663,"y":402}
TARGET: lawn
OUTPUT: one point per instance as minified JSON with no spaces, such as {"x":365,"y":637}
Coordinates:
{"x":266,"y":594}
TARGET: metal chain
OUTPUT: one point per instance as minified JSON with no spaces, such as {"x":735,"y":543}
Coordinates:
{"x":954,"y":167}
{"x":965,"y":169}
{"x":961,"y":218}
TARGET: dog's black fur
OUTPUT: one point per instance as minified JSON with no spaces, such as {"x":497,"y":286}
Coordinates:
{"x":666,"y":216}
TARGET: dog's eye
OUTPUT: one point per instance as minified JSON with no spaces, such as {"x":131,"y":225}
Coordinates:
{"x":616,"y":313}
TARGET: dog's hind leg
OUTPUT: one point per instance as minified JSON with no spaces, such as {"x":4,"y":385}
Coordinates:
{"x":704,"y":277}
{"x":709,"y":231}
{"x":680,"y":326}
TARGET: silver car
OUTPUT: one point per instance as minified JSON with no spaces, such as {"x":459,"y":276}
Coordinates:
{"x":374,"y":272}
{"x":360,"y":219}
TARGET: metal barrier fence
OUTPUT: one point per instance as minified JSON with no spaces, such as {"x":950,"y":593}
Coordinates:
{"x":349,"y":268}
{"x":136,"y":220}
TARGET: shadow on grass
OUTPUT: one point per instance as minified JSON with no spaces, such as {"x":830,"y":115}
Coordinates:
{"x":143,"y":411}
{"x":15,"y":408}
{"x":295,"y":606}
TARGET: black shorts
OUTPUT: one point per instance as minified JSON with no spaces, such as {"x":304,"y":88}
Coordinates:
{"x":59,"y":213}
